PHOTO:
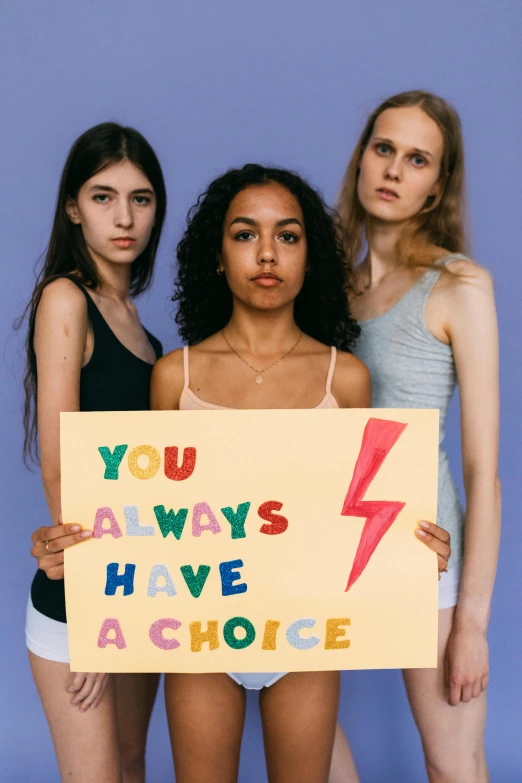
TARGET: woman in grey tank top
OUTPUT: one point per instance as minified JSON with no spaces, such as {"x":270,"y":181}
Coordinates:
{"x":428,"y":322}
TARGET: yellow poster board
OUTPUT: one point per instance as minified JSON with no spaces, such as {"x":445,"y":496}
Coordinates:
{"x":250,"y":541}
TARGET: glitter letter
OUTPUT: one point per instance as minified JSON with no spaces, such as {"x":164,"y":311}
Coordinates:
{"x":269,"y":638}
{"x":171,"y":463}
{"x":112,"y":460}
{"x":195,"y":582}
{"x":229,"y":576}
{"x":237,"y":519}
{"x":333,"y":631}
{"x":197,"y":527}
{"x":293,"y":637}
{"x":133,"y":523}
{"x":230,"y":636}
{"x":170,"y":521}
{"x":101,"y":515}
{"x":154,"y":588}
{"x":379,"y":437}
{"x":199,"y":637}
{"x":125,"y":580}
{"x":156,"y":633}
{"x":111,"y":624}
{"x":278,"y":523}
{"x":153,"y":466}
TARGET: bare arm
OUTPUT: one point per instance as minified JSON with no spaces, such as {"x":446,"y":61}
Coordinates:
{"x":59,"y":344}
{"x":472,"y":328}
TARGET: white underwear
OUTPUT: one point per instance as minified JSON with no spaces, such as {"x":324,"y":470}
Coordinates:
{"x":449,"y":586}
{"x":46,"y":637}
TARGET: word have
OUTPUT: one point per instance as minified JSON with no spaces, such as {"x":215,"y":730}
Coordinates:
{"x":195,"y":581}
{"x":112,"y":460}
{"x":174,"y":522}
{"x":334,"y":634}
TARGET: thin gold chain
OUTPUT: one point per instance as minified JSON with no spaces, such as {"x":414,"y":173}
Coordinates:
{"x":260,"y":373}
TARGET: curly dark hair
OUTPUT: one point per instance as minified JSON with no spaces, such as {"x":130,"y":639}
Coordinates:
{"x":204,"y":298}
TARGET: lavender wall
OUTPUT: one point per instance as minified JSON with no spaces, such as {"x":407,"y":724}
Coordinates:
{"x":214,"y":84}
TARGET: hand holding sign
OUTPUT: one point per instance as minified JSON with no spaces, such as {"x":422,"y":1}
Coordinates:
{"x":189,"y":557}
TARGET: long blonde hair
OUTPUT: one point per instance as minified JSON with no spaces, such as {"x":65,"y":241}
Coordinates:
{"x":442,"y":220}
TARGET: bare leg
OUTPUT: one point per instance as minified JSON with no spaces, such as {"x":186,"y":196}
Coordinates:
{"x":343,"y":768}
{"x":205,"y":713}
{"x":85,"y":743}
{"x":452,"y":737}
{"x":299,"y":714}
{"x":135,"y":695}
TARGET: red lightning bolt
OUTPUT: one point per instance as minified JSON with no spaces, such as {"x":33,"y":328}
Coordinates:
{"x":379,"y":437}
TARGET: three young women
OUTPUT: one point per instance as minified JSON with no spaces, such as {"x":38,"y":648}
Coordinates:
{"x":427,"y":319}
{"x":88,"y":351}
{"x":237,"y":318}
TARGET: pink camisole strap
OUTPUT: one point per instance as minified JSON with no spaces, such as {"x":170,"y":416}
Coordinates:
{"x":188,"y":401}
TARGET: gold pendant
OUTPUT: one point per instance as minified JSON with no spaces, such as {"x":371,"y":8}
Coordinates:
{"x":259,"y":378}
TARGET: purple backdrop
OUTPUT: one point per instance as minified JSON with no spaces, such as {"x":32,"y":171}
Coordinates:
{"x":213,"y":85}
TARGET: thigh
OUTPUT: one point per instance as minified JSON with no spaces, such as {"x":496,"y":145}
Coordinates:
{"x":299,"y":715}
{"x":85,"y":743}
{"x":452,"y":737}
{"x":135,"y":696}
{"x":205,"y":714}
{"x":342,"y":768}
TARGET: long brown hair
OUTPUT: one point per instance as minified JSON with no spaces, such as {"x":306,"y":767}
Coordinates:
{"x":442,"y":220}
{"x":67,"y":252}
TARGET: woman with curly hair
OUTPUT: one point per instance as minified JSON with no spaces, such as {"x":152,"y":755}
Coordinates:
{"x":262,"y":302}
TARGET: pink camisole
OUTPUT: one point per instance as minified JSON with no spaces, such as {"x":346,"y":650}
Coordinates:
{"x":188,"y":401}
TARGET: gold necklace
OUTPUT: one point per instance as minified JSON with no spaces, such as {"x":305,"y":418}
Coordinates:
{"x":259,"y":375}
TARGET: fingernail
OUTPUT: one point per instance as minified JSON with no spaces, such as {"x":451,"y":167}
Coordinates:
{"x":71,"y":689}
{"x":94,"y":705}
{"x":421,"y":533}
{"x":425,"y":525}
{"x":75,"y":528}
{"x":86,"y":534}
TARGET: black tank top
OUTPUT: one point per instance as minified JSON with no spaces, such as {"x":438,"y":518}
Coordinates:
{"x":114,"y":379}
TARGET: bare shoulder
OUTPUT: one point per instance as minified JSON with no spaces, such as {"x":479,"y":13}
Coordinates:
{"x":62,"y":296}
{"x":463,"y":275}
{"x":351,"y":384}
{"x":167,"y":381}
{"x":169,"y":368}
{"x":61,"y":321}
{"x":349,"y":365}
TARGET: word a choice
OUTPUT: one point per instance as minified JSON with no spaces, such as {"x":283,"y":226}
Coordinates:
{"x":209,"y":638}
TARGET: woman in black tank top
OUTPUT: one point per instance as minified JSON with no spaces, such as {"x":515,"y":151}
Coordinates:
{"x":87,"y":351}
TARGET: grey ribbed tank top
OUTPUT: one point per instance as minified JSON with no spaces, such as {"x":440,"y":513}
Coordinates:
{"x":410,"y":368}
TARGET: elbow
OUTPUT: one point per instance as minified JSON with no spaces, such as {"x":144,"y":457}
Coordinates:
{"x":482,"y":477}
{"x":51,"y":481}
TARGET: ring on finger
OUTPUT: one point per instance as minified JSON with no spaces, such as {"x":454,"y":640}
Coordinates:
{"x":47,"y":547}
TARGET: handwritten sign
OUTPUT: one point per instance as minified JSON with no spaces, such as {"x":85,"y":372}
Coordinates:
{"x":250,"y":540}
